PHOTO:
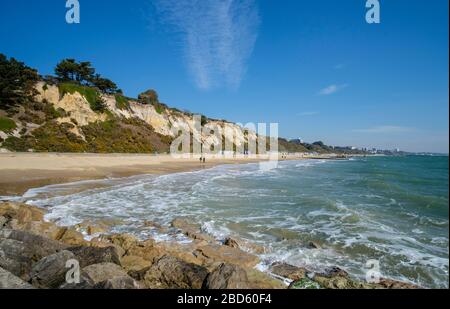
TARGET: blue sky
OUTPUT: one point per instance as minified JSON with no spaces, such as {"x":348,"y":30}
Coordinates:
{"x":315,"y":67}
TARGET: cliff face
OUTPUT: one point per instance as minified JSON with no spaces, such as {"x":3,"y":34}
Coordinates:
{"x":68,"y":118}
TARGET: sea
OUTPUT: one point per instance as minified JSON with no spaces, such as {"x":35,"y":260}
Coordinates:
{"x":387,"y":212}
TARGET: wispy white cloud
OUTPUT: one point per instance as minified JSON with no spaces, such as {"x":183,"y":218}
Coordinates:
{"x":387,"y":129}
{"x":218,"y":37}
{"x":307,"y":114}
{"x":332,"y":89}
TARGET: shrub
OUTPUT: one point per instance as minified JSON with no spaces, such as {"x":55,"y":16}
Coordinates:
{"x":54,"y":137}
{"x":124,"y":136}
{"x":22,"y":144}
{"x":7,"y":125}
{"x":148,"y":97}
{"x":122,"y":102}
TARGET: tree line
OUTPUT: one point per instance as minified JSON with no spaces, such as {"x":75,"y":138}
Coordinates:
{"x":69,"y":70}
{"x":17,"y":81}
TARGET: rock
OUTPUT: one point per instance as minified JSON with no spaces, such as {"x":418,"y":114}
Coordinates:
{"x":98,"y":273}
{"x":394,"y":284}
{"x":191,"y":230}
{"x":50,"y":272}
{"x":28,"y":218}
{"x":242,"y":244}
{"x":85,"y":283}
{"x":146,"y":250}
{"x":118,"y":283}
{"x":154,"y":225}
{"x":72,"y":237}
{"x":337,"y":278}
{"x":339,"y":282}
{"x":288,"y":271}
{"x":259,"y":280}
{"x":314,"y":245}
{"x":3,"y":221}
{"x":98,"y":242}
{"x":227,"y":276}
{"x":91,"y":230}
{"x":304,"y":284}
{"x":94,"y":227}
{"x":173,"y":273}
{"x":19,"y":250}
{"x":9,"y":281}
{"x":213,"y":253}
{"x":182,"y":251}
{"x":21,"y":212}
{"x":334,"y":271}
{"x":230,"y":242}
{"x":95,"y":255}
{"x":124,"y":241}
{"x":136,"y":266}
{"x":45,"y":229}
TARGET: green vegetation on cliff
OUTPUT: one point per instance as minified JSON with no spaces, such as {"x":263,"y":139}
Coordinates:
{"x":115,"y":135}
{"x":124,"y":136}
{"x":89,"y":93}
{"x":122,"y":102}
{"x":7,"y":125}
{"x":41,"y":127}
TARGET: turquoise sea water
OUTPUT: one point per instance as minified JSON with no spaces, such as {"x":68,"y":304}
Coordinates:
{"x":391,"y":209}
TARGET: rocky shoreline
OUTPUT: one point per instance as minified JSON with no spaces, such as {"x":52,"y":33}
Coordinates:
{"x":34,"y":254}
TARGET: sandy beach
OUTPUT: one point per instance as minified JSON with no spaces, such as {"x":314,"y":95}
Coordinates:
{"x":22,"y":171}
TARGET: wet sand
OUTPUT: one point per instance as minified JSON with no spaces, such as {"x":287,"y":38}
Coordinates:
{"x":22,"y":171}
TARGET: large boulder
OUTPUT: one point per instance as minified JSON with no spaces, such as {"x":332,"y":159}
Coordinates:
{"x":71,"y":237}
{"x":95,"y":255}
{"x":394,"y":284}
{"x":262,"y":281}
{"x":19,"y":216}
{"x":107,"y":275}
{"x":50,"y":272}
{"x":191,"y":230}
{"x":213,"y":254}
{"x":9,"y":281}
{"x":245,"y":245}
{"x":20,"y":250}
{"x":21,"y":212}
{"x":147,"y":250}
{"x":288,"y":271}
{"x":125,"y":241}
{"x":340,"y":282}
{"x":135,"y":266}
{"x":173,"y":273}
{"x":227,"y":276}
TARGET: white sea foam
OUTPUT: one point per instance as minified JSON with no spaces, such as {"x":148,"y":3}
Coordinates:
{"x":280,"y":209}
